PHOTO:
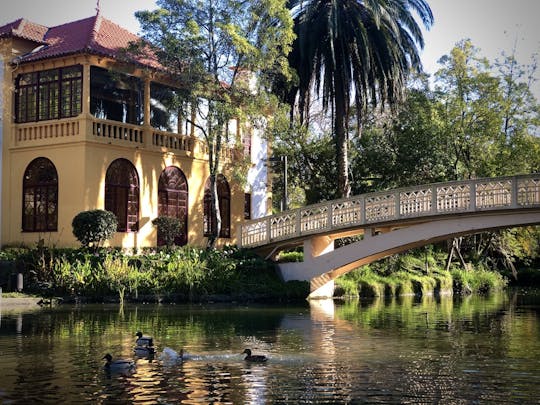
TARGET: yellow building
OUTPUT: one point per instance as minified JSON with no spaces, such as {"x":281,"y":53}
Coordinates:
{"x":81,"y":129}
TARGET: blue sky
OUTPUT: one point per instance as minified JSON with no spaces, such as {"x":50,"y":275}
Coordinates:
{"x":492,"y":25}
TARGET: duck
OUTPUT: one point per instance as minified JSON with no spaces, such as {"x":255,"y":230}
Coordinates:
{"x":170,"y":356}
{"x":144,"y":351}
{"x":144,"y":340}
{"x":119,"y":365}
{"x":256,"y":358}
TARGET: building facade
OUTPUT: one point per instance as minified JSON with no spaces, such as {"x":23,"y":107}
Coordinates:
{"x":82,"y":129}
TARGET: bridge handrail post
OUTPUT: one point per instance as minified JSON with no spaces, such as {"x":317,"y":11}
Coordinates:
{"x":268,"y":230}
{"x":473,"y":196}
{"x":397,"y":214}
{"x":514,"y":203}
{"x":362,"y":209}
{"x":330,"y":221}
{"x":434,"y":196}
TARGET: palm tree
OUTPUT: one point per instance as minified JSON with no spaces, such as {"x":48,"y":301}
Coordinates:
{"x":357,"y":53}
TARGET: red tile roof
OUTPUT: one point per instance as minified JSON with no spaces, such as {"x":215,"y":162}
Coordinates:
{"x":94,"y":35}
{"x":24,"y":29}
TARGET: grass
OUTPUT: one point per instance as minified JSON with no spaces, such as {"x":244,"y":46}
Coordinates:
{"x":408,"y":276}
{"x":18,"y":295}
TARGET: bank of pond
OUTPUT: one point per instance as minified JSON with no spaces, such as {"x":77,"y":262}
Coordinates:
{"x":190,"y":274}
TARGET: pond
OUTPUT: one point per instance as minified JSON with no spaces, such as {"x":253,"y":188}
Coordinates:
{"x":446,"y":350}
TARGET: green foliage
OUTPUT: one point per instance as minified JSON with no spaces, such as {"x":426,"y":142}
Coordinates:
{"x":181,"y":274}
{"x":407,"y":275}
{"x":94,"y":227}
{"x":312,"y":169}
{"x":290,"y":257}
{"x":216,"y":46}
{"x":352,"y":53}
{"x":72,"y":276}
{"x":118,"y":274}
{"x":478,"y":281}
{"x":411,"y":144}
{"x":470,"y":98}
{"x":169,"y":228}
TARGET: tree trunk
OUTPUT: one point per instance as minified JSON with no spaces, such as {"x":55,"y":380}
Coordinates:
{"x":215,"y":213}
{"x":214,"y":149}
{"x":340,"y":137}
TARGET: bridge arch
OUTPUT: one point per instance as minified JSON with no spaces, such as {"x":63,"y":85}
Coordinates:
{"x":392,"y":222}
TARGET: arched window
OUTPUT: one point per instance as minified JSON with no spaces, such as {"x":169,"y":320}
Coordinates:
{"x":173,"y":200}
{"x":40,"y":197}
{"x":224,"y":198}
{"x":122,"y":194}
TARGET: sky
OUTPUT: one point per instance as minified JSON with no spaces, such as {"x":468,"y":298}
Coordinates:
{"x":492,"y":25}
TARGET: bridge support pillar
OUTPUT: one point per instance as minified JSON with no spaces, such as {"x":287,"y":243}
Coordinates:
{"x":322,"y":286}
{"x":316,"y":246}
{"x":323,"y":291}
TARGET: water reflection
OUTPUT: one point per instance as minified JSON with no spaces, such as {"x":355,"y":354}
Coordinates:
{"x":402,"y":350}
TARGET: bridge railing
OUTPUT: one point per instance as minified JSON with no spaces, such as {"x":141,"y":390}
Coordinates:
{"x":404,"y":203}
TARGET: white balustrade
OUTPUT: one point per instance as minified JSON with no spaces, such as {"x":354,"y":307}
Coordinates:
{"x":176,"y":142}
{"x":516,"y":192}
{"x":29,"y":133}
{"x":117,"y":131}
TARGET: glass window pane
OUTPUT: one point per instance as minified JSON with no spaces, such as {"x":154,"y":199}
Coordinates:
{"x":122,"y":194}
{"x":40,"y":201}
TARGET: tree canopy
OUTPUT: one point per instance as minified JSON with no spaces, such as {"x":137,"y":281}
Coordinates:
{"x":216,"y":48}
{"x":353,"y":52}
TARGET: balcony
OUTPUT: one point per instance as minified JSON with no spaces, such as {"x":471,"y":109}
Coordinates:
{"x":91,"y":129}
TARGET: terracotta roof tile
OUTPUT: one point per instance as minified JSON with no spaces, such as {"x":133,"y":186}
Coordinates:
{"x":95,"y":35}
{"x":25,"y":29}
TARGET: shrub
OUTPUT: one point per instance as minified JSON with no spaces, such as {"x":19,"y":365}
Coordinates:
{"x":169,"y":228}
{"x":119,"y":274}
{"x":94,"y":227}
{"x":288,"y":257}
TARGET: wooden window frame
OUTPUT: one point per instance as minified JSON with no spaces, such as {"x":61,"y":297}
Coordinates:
{"x":40,"y":192}
{"x":173,"y":200}
{"x":224,"y":199}
{"x":247,"y":206}
{"x":38,"y":97}
{"x":122,"y":194}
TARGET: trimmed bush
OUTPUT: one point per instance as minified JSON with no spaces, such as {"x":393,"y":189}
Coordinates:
{"x":169,"y":228}
{"x":94,"y":227}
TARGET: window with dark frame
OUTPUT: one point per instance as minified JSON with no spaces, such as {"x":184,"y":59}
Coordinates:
{"x":224,"y":200}
{"x":48,"y":94}
{"x":40,"y":197}
{"x":166,"y":110}
{"x":122,"y":194}
{"x":173,"y":200}
{"x":247,"y":206}
{"x":116,"y":96}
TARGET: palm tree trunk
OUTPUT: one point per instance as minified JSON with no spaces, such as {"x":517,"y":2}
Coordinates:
{"x":340,"y":137}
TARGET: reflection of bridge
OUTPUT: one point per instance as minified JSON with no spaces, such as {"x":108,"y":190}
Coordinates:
{"x":391,"y":222}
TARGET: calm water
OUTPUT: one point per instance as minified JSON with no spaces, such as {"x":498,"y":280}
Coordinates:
{"x":445,"y":350}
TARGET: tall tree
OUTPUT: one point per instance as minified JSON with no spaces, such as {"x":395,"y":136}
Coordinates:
{"x":211,"y":45}
{"x":403,"y":149}
{"x":470,"y":109}
{"x":353,"y":52}
{"x":518,"y":146}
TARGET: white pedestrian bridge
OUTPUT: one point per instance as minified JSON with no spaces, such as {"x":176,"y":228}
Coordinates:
{"x":390,"y":222}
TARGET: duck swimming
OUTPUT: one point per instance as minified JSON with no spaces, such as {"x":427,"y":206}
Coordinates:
{"x":144,"y":351}
{"x":119,"y":365}
{"x":171,"y":356}
{"x":256,"y":358}
{"x":144,"y":340}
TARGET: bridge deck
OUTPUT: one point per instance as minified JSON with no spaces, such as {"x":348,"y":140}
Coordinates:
{"x":399,"y":207}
